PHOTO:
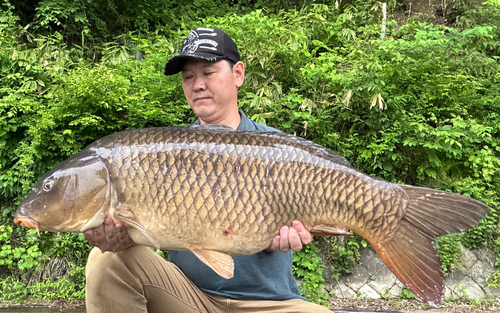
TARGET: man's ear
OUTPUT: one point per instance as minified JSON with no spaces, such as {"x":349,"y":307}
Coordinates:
{"x":239,"y":73}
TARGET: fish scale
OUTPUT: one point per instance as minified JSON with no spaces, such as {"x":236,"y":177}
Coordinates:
{"x":218,"y":192}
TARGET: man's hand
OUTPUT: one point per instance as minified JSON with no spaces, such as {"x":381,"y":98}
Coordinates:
{"x":291,"y":238}
{"x":109,"y":236}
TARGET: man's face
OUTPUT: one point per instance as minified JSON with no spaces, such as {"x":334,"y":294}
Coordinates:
{"x":211,"y":89}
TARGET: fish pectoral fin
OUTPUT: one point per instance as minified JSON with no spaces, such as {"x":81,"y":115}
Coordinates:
{"x":329,"y":230}
{"x":221,"y":263}
{"x":130,"y":221}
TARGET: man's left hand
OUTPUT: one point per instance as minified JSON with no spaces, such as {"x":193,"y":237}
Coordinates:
{"x":291,"y":238}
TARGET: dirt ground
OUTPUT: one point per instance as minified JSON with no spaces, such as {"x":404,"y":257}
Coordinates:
{"x":414,"y":306}
{"x":337,"y":305}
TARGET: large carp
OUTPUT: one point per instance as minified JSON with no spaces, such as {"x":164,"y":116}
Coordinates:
{"x":219,"y":192}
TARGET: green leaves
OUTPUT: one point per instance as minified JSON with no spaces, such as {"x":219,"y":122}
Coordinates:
{"x":307,"y":265}
{"x":46,"y":290}
{"x":344,"y":254}
{"x":450,"y":250}
{"x":23,"y":258}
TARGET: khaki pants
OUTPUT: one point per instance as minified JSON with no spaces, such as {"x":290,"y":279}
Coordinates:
{"x":138,"y":280}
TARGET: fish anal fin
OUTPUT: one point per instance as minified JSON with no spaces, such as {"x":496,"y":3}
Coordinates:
{"x":329,"y":230}
{"x":413,"y":258}
{"x":221,"y":263}
{"x":127,"y":218}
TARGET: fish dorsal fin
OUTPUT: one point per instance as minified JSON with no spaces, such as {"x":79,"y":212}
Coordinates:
{"x":125,"y":217}
{"x":304,"y":144}
{"x":221,"y":263}
{"x":214,"y":127}
{"x":329,"y":230}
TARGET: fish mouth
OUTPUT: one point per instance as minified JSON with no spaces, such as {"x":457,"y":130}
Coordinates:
{"x":25,"y":221}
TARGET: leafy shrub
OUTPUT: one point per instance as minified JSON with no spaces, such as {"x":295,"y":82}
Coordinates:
{"x":307,"y":265}
{"x":344,"y":254}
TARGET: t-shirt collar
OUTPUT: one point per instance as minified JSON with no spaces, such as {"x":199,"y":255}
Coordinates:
{"x":244,"y":124}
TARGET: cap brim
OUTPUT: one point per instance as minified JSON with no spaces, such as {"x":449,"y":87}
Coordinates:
{"x":175,"y":64}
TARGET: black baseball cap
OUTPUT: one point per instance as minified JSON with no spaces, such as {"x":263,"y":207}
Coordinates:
{"x":209,"y":44}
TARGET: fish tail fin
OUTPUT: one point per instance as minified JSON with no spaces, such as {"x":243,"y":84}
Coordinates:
{"x":411,"y":254}
{"x":436,"y":213}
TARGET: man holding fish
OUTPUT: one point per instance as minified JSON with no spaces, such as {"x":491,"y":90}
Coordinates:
{"x":134,"y":279}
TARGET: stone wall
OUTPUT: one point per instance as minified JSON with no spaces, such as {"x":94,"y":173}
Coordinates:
{"x":372,"y":279}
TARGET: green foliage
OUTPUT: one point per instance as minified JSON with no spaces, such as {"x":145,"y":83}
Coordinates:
{"x":494,"y":281}
{"x":22,"y":257}
{"x":46,"y":290}
{"x":406,"y":294}
{"x":344,"y":254}
{"x":91,"y":22}
{"x":59,"y":289}
{"x":450,"y":250}
{"x":307,"y":266}
{"x":13,"y":289}
{"x":486,"y":14}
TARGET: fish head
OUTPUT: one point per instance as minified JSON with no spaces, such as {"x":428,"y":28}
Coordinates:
{"x":72,"y":197}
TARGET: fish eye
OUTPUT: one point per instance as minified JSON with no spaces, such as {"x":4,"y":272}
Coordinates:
{"x":47,"y":186}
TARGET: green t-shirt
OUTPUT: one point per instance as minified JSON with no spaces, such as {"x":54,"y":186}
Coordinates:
{"x":261,"y":276}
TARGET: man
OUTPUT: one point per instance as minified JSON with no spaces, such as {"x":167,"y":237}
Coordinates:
{"x":135,"y":279}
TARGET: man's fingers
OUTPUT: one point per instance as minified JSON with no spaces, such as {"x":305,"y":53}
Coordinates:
{"x":275,"y":245}
{"x":103,"y":235}
{"x":294,"y":240}
{"x":109,"y":224}
{"x":304,"y":234}
{"x":284,"y":244}
{"x":89,"y":235}
{"x":124,"y":240}
{"x":109,"y":236}
{"x":122,"y":234}
{"x":97,"y":239}
{"x":98,"y":231}
{"x":109,"y":230}
{"x":98,"y":236}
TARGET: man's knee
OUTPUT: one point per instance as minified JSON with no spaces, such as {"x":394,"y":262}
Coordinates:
{"x":118,"y":270}
{"x":100,"y":264}
{"x":99,"y":261}
{"x":114,"y":280}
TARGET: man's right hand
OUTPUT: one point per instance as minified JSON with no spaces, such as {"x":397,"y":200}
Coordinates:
{"x":109,"y":236}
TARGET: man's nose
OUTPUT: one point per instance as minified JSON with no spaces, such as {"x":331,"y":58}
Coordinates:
{"x":199,"y":83}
